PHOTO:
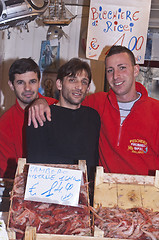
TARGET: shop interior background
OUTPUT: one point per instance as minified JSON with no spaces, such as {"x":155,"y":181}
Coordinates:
{"x":18,"y":42}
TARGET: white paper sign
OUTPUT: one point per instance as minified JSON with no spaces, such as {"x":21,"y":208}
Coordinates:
{"x":117,"y":23}
{"x":53,"y":185}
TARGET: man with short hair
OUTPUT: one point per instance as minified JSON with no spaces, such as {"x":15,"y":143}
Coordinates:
{"x":24,"y":80}
{"x":129,"y":134}
{"x":73,"y":133}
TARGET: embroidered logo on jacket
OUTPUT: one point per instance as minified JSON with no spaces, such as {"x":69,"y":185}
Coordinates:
{"x":138,"y":146}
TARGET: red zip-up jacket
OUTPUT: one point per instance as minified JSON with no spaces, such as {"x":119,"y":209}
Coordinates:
{"x":133,"y":146}
{"x":12,"y":138}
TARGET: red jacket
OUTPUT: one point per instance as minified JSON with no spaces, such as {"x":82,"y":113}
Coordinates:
{"x":12,"y":138}
{"x":133,"y":147}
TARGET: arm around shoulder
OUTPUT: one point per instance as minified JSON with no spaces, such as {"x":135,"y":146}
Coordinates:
{"x":96,"y":101}
{"x":39,"y":109}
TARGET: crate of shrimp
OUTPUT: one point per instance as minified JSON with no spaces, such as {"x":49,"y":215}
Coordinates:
{"x":126,"y":206}
{"x":30,"y":234}
{"x":49,"y":201}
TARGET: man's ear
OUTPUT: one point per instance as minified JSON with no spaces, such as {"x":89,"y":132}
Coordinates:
{"x":11,"y":85}
{"x":88,"y":89}
{"x":136,"y":70}
{"x":59,"y":84}
{"x":39,"y":84}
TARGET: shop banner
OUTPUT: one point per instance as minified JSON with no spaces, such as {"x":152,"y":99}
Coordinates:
{"x":117,"y":23}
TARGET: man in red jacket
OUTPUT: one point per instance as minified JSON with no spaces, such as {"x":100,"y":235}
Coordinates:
{"x":24,"y":80}
{"x":129,"y":134}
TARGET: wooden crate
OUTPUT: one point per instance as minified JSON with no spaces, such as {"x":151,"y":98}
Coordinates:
{"x":125,"y":191}
{"x":30,"y":232}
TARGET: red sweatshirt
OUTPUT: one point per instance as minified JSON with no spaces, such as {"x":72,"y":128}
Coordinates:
{"x":133,"y":147}
{"x":12,"y":138}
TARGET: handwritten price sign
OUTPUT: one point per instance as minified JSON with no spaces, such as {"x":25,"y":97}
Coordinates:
{"x":53,"y":185}
{"x":119,"y":23}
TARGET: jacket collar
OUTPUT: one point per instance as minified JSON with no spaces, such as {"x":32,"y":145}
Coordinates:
{"x":19,"y":107}
{"x":139,"y":88}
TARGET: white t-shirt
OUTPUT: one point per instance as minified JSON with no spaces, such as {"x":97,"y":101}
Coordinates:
{"x":125,"y":108}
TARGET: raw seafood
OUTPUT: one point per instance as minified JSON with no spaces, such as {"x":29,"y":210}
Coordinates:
{"x":134,"y":223}
{"x":46,"y":217}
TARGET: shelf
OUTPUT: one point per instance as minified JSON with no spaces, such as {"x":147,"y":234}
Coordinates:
{"x":149,"y":63}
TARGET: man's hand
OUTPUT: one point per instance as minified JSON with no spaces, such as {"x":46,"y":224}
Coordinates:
{"x":37,"y":111}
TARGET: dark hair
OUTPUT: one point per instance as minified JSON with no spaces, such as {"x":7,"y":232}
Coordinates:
{"x":72,"y":67}
{"x":21,"y":66}
{"x":121,"y":49}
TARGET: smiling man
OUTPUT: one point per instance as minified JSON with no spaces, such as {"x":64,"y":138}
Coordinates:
{"x":121,"y":72}
{"x":24,"y":80}
{"x":25,"y":87}
{"x":129,"y":136}
{"x":73,"y":133}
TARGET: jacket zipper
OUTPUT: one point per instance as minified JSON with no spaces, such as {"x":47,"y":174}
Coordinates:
{"x":119,"y":135}
{"x":120,"y":128}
